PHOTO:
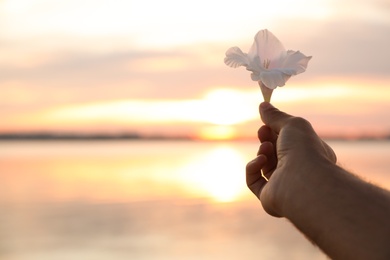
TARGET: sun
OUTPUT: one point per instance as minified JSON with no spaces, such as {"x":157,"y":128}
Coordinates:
{"x":223,"y":109}
{"x":217,"y":133}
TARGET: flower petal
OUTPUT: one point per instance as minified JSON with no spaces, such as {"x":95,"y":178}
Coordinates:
{"x":255,"y":76}
{"x":266,"y":47}
{"x":296,"y":61}
{"x":236,"y":58}
{"x":274,"y":78}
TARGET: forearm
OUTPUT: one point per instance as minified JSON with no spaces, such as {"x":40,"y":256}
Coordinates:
{"x":346,"y":217}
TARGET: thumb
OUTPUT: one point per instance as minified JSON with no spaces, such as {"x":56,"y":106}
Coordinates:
{"x":273,"y":117}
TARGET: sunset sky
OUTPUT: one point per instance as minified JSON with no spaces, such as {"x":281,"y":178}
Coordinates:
{"x":156,"y":67}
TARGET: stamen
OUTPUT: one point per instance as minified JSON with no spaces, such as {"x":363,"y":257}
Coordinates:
{"x":266,"y":63}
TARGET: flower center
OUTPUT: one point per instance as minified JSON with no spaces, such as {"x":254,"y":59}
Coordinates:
{"x":266,"y":63}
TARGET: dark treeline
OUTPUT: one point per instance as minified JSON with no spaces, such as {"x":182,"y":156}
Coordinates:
{"x":76,"y":136}
{"x":135,"y":136}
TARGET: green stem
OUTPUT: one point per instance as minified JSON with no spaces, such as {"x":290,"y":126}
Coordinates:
{"x":267,"y":92}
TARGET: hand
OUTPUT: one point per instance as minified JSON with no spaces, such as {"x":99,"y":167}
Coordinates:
{"x":290,"y":151}
{"x":305,"y":185}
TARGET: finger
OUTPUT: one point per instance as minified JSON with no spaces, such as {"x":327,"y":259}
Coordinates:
{"x":265,"y":134}
{"x":273,"y":117}
{"x":329,"y":152}
{"x":254,"y":180}
{"x":268,"y":149}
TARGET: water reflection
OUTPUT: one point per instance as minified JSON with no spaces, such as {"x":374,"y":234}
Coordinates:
{"x":167,"y":229}
{"x":220,"y":173}
{"x":120,"y":171}
{"x":148,"y":200}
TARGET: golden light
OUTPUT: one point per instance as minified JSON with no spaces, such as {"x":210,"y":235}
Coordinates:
{"x":219,"y":174}
{"x":219,"y":132}
{"x":229,"y":107}
{"x":215,"y":116}
{"x":219,"y":107}
{"x":309,"y":92}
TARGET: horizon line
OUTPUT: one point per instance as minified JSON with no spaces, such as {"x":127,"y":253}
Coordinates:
{"x":42,"y":136}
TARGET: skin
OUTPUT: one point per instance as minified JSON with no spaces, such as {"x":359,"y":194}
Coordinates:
{"x":345,"y":216}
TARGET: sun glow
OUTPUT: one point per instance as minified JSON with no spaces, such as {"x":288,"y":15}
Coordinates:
{"x":219,"y":107}
{"x":218,"y":173}
{"x":219,"y":114}
{"x":229,"y":107}
{"x":219,"y":132}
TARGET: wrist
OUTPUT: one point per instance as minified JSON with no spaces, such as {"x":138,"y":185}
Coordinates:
{"x":300,"y":188}
{"x":328,"y":200}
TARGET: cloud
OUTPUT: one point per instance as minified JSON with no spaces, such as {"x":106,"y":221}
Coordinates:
{"x":340,"y":47}
{"x":353,"y":48}
{"x":120,"y":74}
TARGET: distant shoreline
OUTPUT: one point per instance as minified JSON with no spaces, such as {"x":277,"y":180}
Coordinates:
{"x":132,"y":136}
{"x":82,"y":137}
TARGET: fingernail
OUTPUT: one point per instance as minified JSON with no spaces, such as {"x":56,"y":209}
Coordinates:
{"x":265,"y":105}
{"x":259,"y":159}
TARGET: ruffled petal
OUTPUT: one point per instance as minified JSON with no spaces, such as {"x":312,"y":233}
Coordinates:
{"x":236,"y":58}
{"x":274,"y":78}
{"x":296,"y":61}
{"x":266,"y":47}
{"x":255,"y":76}
{"x":287,"y":71}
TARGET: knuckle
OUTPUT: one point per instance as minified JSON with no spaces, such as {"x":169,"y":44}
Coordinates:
{"x":300,"y":122}
{"x":249,"y":166}
{"x":259,"y":131}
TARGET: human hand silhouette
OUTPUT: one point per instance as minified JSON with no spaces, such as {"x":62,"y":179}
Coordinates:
{"x":290,"y":151}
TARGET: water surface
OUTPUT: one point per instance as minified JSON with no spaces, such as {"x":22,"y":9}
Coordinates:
{"x":149,"y":200}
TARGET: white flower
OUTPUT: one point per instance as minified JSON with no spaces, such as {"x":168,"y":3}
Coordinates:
{"x":271,"y":65}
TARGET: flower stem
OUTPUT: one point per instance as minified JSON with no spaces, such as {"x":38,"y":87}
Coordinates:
{"x":267,"y":92}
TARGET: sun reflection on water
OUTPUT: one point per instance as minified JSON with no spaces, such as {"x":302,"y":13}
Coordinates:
{"x":218,"y":173}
